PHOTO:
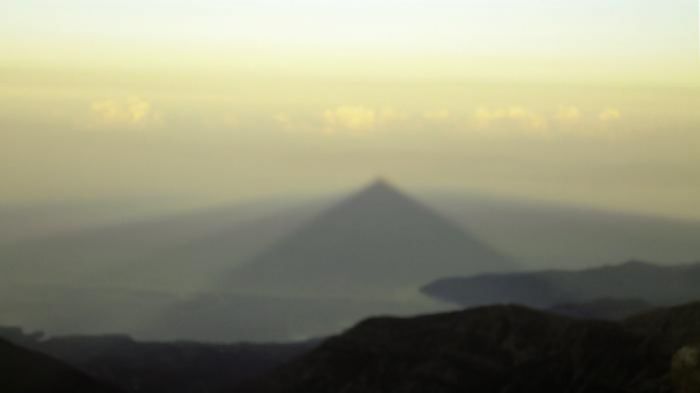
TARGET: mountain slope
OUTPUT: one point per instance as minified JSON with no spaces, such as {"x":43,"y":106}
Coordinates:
{"x":654,"y":284}
{"x":156,"y":367}
{"x":491,"y":349}
{"x":673,"y":327}
{"x":25,"y":371}
{"x":605,"y":308}
{"x":378,"y":241}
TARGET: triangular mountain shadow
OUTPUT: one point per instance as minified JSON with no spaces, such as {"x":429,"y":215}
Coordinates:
{"x":376,"y":242}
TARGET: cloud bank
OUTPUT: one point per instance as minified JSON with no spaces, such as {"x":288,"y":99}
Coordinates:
{"x":128,"y":113}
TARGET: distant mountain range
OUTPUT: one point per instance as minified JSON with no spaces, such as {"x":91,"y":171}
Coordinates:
{"x":499,"y":349}
{"x":645,"y":282}
{"x":294,"y":272}
{"x":291,"y":269}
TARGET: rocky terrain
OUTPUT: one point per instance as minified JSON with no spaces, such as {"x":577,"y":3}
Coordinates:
{"x":604,"y":308}
{"x":154,"y":367}
{"x":25,"y":371}
{"x":495,"y":349}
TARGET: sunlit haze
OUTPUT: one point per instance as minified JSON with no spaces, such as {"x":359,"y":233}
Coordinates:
{"x":591,"y":102}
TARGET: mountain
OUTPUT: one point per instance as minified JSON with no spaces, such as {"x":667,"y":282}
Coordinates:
{"x":155,"y":367}
{"x":378,"y":242}
{"x":671,"y":327}
{"x":605,"y":308}
{"x":491,"y":349}
{"x":654,"y":284}
{"x":150,"y":271}
{"x":25,"y":371}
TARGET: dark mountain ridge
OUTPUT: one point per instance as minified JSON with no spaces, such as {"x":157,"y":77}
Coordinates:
{"x":26,"y":371}
{"x":655,"y":284}
{"x":494,"y":349}
{"x":604,"y":308}
{"x":155,"y":367}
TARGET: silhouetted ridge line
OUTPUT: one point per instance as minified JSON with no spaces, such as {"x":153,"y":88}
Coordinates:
{"x":26,"y":371}
{"x":494,"y":349}
{"x":643,"y":281}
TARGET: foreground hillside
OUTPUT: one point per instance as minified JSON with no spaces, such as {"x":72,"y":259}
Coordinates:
{"x":494,"y":349}
{"x":500,"y":349}
{"x":25,"y":371}
{"x":155,"y":367}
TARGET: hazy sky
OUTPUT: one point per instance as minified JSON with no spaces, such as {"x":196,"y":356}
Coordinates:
{"x":585,"y":101}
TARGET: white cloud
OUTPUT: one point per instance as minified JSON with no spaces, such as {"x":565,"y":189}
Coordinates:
{"x":356,"y":119}
{"x":524,"y":118}
{"x":610,"y":115}
{"x":132,"y":112}
{"x":366,"y":120}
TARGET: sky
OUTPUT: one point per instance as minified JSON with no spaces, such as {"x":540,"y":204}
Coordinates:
{"x":591,"y":102}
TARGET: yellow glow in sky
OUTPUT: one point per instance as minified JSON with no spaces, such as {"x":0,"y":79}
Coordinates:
{"x":590,"y":102}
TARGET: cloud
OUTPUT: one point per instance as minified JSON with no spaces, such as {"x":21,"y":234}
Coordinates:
{"x":366,"y":120}
{"x":132,"y":112}
{"x":356,"y":119}
{"x":610,"y":115}
{"x":568,"y":114}
{"x":485,"y":117}
{"x":341,"y":120}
